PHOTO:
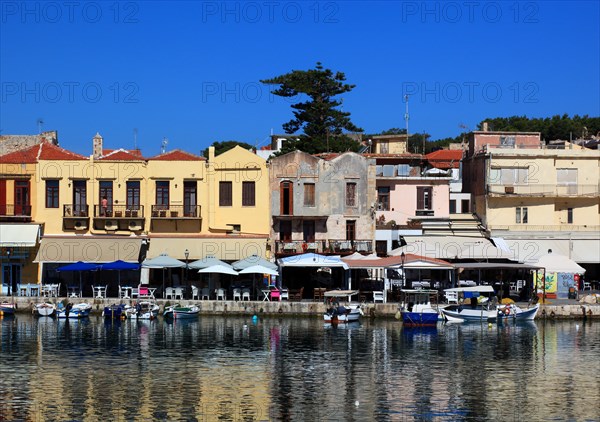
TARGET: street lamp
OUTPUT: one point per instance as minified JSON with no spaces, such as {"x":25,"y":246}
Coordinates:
{"x":187,"y":254}
{"x":402,"y":259}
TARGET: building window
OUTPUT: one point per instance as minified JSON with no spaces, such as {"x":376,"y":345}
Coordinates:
{"x":384,"y":147}
{"x":350,"y":194}
{"x":133,"y":195}
{"x":521,"y":215}
{"x":308,"y":229}
{"x":570,"y":215}
{"x":424,"y":197}
{"x":286,"y":198}
{"x":510,"y":176}
{"x":51,"y":193}
{"x":383,"y":198}
{"x":190,"y":199}
{"x":351,"y":230}
{"x":309,"y":194}
{"x":453,"y":206}
{"x":106,"y":197}
{"x":248,"y":194}
{"x":507,"y":141}
{"x":162,"y":194}
{"x":465,"y":206}
{"x":381,"y":247}
{"x":567,"y":180}
{"x":285,"y":230}
{"x":80,"y":198}
{"x":225,"y":194}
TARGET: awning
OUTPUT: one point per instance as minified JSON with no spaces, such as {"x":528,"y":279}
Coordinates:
{"x":312,"y":260}
{"x":88,"y":249}
{"x":530,"y":250}
{"x":227,"y":249}
{"x":586,"y":251}
{"x":19,"y":235}
{"x":452,"y":247}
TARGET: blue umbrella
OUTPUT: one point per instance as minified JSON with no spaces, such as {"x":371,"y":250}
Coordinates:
{"x":120,"y":265}
{"x":79,"y":266}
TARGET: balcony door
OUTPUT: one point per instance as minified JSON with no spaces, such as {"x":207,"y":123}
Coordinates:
{"x":308,"y":227}
{"x":105,"y":191}
{"x":79,"y":198}
{"x":2,"y":197}
{"x":133,"y":195}
{"x":285,"y":231}
{"x":190,"y":198}
{"x":22,"y":199}
{"x":286,"y":197}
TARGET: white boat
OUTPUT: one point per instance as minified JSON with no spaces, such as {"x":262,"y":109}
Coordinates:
{"x":481,"y":305}
{"x":342,"y":314}
{"x":44,"y":309}
{"x":142,"y":310}
{"x":80,"y":310}
{"x":512,"y":312}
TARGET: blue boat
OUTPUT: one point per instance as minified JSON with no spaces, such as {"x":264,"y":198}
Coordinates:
{"x":415,"y":307}
{"x":7,"y":308}
{"x":114,"y":311}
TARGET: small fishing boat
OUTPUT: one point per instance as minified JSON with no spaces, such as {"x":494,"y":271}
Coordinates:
{"x":479,"y":308}
{"x":44,"y":309}
{"x":142,"y":310}
{"x":80,"y":310}
{"x":415,"y":307}
{"x":114,"y":311}
{"x":512,"y":312}
{"x":181,"y":312}
{"x":7,"y":308}
{"x":342,"y":314}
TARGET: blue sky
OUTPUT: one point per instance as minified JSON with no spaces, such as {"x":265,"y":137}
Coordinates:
{"x":189,"y":71}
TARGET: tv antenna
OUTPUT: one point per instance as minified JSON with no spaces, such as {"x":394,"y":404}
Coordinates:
{"x":163,"y":145}
{"x":40,"y":123}
{"x":406,"y":115}
{"x":135,"y":132}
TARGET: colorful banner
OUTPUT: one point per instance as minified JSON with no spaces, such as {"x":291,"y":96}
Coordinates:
{"x":549,"y":284}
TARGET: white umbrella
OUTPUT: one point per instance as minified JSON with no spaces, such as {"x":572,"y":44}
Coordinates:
{"x":221,"y":269}
{"x":161,"y":262}
{"x":259,"y":269}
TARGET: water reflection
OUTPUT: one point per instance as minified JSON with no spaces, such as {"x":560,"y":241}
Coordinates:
{"x":295,"y":369}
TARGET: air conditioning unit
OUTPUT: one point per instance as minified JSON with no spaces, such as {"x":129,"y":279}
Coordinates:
{"x":509,"y":189}
{"x":134,"y":225}
{"x":80,"y":225}
{"x":110,"y":225}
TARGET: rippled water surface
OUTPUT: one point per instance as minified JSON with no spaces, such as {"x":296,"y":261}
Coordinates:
{"x":233,"y":368}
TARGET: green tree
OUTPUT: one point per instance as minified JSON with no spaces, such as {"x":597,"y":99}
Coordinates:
{"x":221,"y":147}
{"x":555,"y":127}
{"x":321,"y":121}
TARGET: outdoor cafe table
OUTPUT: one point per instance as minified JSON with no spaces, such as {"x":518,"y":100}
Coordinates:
{"x":341,"y":293}
{"x":99,"y":292}
{"x":266,"y":293}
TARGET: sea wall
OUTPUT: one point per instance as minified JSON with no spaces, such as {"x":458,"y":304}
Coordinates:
{"x":284,"y":308}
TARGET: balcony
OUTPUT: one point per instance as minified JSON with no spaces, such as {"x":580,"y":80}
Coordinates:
{"x":350,"y":246}
{"x":10,"y":212}
{"x":76,"y":217}
{"x":536,"y":190}
{"x":176,"y":212}
{"x":119,"y":217}
{"x":293,"y":247}
{"x":119,"y":211}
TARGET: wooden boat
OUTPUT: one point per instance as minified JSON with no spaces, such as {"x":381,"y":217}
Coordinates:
{"x":512,"y":312}
{"x":415,"y":307}
{"x":482,"y":306}
{"x":181,"y":312}
{"x":7,"y":308}
{"x":44,"y":309}
{"x":80,"y":310}
{"x":142,"y":310}
{"x":114,"y":311}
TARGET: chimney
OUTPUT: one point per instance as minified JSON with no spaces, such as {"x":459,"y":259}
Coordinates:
{"x":97,"y":146}
{"x":485,"y":126}
{"x":211,"y":154}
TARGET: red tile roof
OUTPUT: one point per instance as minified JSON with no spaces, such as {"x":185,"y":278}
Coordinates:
{"x":42,"y":151}
{"x":177,"y":155}
{"x":445,"y":158}
{"x":121,"y":155}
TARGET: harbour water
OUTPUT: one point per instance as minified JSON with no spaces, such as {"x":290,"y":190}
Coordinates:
{"x":237,"y":368}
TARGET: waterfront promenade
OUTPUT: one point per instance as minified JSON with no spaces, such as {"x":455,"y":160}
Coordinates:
{"x":553,"y":309}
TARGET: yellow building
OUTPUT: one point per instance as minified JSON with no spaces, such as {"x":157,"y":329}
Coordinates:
{"x":118,"y":205}
{"x":539,"y":198}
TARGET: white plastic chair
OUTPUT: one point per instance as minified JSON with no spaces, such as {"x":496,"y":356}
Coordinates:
{"x":169,"y":293}
{"x":452,"y":297}
{"x":587,"y":285}
{"x":221,"y":294}
{"x":178,"y":292}
{"x":205,"y":293}
{"x":246,"y":294}
{"x":285,"y":294}
{"x":377,"y":296}
{"x":195,"y":292}
{"x":237,"y":294}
